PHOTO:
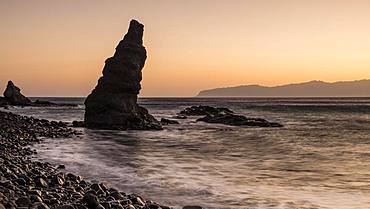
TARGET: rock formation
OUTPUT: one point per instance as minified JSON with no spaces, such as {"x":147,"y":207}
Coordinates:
{"x":14,"y":96}
{"x":113,"y":102}
{"x":224,"y":116}
{"x":237,"y":120}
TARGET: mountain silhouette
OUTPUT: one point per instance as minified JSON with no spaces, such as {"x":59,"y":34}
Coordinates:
{"x":359,"y":88}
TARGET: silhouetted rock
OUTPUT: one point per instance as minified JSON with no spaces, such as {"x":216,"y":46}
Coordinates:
{"x":165,"y":121}
{"x":204,"y":110}
{"x":13,"y":95}
{"x":113,"y":102}
{"x":237,"y":120}
{"x":224,"y":116}
{"x":3,"y":102}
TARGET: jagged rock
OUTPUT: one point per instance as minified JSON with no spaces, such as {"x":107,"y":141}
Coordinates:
{"x":14,"y":96}
{"x":113,"y":102}
{"x":204,"y":110}
{"x":237,"y":120}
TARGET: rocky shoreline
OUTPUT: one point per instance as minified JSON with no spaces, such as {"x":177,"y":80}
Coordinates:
{"x":27,"y":183}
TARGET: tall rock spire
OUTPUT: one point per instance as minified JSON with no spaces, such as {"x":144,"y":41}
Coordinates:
{"x":113,"y":102}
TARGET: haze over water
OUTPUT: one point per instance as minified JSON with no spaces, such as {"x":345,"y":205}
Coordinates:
{"x":320,"y":159}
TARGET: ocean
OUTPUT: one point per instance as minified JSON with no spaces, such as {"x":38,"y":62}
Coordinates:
{"x":319,"y":159}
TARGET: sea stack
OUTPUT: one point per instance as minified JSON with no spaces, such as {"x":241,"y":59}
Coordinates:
{"x":14,"y":96}
{"x":113,"y":102}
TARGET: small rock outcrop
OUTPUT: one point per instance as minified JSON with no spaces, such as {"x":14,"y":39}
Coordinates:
{"x":204,"y":110}
{"x":224,"y":116}
{"x":238,"y":120}
{"x":13,"y":95}
{"x":113,"y":102}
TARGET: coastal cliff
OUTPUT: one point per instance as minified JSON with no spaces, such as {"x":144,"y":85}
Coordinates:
{"x":308,"y":89}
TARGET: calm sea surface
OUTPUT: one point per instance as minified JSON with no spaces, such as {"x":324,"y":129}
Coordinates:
{"x":320,"y":159}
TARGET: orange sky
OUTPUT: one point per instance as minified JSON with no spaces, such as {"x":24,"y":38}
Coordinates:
{"x":58,"y":48}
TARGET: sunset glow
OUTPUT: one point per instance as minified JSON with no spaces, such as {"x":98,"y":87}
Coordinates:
{"x":58,"y":48}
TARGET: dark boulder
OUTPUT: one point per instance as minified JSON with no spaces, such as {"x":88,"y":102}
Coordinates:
{"x":237,"y":120}
{"x":204,"y":110}
{"x":14,"y":96}
{"x":91,"y":200}
{"x":113,"y":102}
{"x":165,"y":121}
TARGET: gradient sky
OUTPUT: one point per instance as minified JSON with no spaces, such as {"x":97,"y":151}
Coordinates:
{"x":58,"y":48}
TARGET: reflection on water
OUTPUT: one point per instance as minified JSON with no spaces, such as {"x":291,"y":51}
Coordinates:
{"x":320,"y":159}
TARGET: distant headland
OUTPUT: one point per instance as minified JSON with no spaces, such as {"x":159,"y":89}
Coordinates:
{"x":358,"y":88}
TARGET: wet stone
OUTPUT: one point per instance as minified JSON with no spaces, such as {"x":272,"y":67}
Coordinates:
{"x":58,"y":180}
{"x":40,"y":182}
{"x":61,"y":166}
{"x":116,"y":206}
{"x":40,"y":205}
{"x":35,"y":192}
{"x":91,"y":200}
{"x":35,"y":198}
{"x":23,"y":202}
{"x":96,"y":187}
{"x":20,"y":181}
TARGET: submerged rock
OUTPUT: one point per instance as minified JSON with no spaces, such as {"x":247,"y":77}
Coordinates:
{"x":204,"y":110}
{"x":14,"y":96}
{"x":165,"y":121}
{"x":113,"y":102}
{"x":43,"y":103}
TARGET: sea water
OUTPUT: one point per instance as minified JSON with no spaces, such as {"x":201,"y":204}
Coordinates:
{"x":319,"y":159}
